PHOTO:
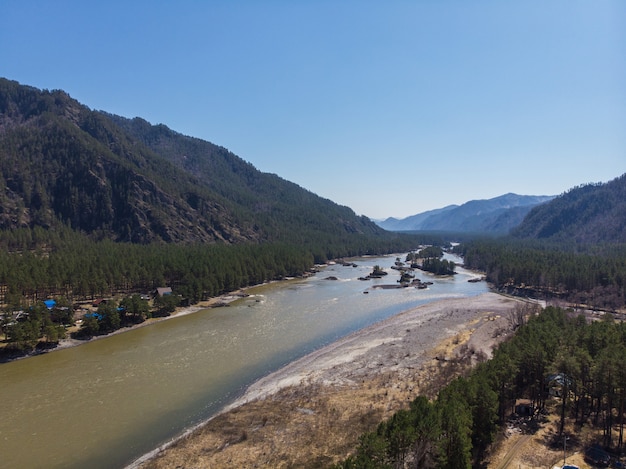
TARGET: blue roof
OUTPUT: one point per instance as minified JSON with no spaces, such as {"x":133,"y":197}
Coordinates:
{"x":94,"y":315}
{"x":50,"y":303}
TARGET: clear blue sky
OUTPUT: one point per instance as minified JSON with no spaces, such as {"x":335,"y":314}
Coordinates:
{"x":389,"y":107}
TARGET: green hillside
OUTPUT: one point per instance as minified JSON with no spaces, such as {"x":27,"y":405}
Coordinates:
{"x":592,"y":213}
{"x":62,"y":164}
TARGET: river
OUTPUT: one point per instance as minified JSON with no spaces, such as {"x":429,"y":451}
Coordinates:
{"x":105,"y":403}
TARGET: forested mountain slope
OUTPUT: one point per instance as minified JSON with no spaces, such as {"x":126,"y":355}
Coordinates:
{"x":593,"y":213}
{"x":62,"y":164}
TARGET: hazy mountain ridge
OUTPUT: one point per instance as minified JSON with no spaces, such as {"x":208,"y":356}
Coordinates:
{"x":401,"y":224}
{"x":497,"y":215}
{"x":591,"y":213}
{"x":128,"y":180}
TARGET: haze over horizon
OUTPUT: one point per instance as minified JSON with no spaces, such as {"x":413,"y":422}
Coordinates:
{"x":391,"y":109}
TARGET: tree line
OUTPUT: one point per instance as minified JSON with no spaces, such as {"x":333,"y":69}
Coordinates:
{"x":39,"y":264}
{"x":554,"y":353}
{"x":581,"y":274}
{"x":34,"y":266}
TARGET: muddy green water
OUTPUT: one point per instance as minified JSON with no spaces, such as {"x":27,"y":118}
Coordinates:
{"x":105,"y":403}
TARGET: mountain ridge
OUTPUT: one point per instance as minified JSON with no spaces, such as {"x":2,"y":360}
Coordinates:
{"x":400,"y":224}
{"x":497,"y":215}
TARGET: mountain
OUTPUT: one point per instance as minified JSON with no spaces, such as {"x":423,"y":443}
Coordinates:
{"x":63,"y":164}
{"x":592,"y":213}
{"x":408,"y":223}
{"x":497,"y":215}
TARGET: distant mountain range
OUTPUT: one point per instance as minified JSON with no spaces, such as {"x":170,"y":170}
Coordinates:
{"x":498,"y":215}
{"x":63,"y":164}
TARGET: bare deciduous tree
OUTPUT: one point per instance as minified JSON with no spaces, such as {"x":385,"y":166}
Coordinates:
{"x":520,"y":314}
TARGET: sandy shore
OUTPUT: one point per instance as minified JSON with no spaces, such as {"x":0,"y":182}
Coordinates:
{"x":311,"y":412}
{"x":395,"y":344}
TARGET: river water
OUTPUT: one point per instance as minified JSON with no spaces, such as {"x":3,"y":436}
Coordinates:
{"x":107,"y":402}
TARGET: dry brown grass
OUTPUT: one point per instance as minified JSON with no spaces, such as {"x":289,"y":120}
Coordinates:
{"x":308,"y":426}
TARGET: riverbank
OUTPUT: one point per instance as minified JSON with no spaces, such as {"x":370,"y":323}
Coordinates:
{"x":180,"y":311}
{"x":311,"y":412}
